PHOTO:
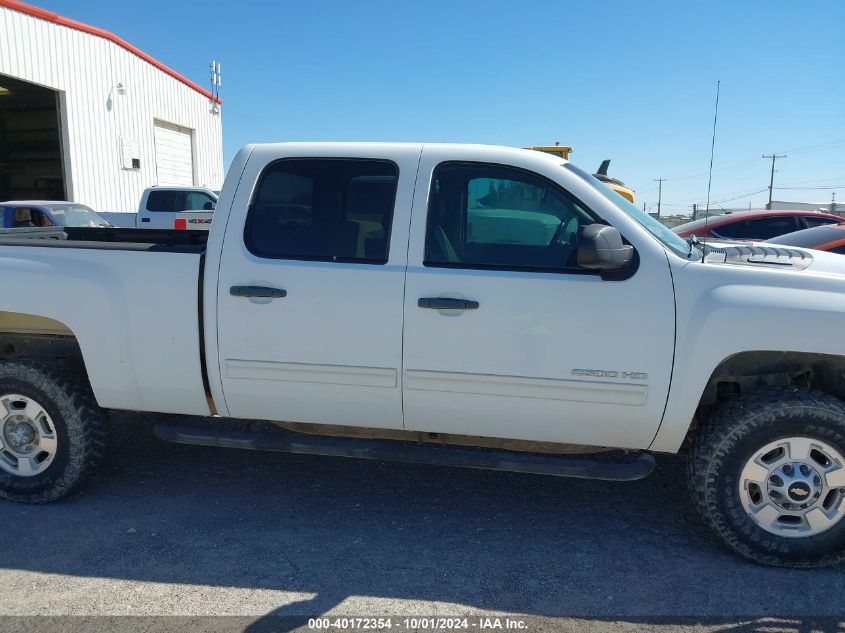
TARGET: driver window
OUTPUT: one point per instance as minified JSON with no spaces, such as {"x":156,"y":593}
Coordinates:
{"x":490,"y":216}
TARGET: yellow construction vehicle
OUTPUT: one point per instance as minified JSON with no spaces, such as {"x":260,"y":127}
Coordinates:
{"x":614,"y":183}
{"x":557,"y":149}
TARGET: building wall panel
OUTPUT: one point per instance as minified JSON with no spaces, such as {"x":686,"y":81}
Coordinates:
{"x":87,"y":68}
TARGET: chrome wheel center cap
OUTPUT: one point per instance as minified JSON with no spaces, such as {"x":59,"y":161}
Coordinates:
{"x":19,"y":433}
{"x":794,"y":486}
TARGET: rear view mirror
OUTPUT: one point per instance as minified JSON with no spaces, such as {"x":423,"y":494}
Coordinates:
{"x":601,"y":248}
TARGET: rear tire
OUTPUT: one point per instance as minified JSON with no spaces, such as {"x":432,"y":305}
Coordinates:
{"x":52,"y":433}
{"x":767,"y":472}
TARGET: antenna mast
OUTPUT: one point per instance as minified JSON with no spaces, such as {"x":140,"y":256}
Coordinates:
{"x":214,"y":67}
{"x":710,"y":172}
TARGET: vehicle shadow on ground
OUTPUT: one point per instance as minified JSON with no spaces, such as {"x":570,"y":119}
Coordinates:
{"x":339,"y":528}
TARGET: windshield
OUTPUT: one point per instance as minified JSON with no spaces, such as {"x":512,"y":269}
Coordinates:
{"x":77,"y":215}
{"x":665,"y":235}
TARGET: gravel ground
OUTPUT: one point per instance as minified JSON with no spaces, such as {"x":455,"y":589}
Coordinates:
{"x":274,"y":539}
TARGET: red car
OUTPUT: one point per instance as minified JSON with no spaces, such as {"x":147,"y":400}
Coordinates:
{"x":755,"y":225}
{"x":830,"y":237}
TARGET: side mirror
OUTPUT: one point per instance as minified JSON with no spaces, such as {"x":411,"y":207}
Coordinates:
{"x":208,"y":206}
{"x":601,"y":248}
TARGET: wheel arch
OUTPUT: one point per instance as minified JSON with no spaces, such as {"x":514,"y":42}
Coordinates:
{"x":36,"y":337}
{"x":748,"y":371}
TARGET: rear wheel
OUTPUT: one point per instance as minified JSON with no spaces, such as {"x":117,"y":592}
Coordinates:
{"x":52,"y":433}
{"x":767,"y":471}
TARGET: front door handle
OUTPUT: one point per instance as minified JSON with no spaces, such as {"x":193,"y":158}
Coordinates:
{"x":257,"y":291}
{"x":145,"y":219}
{"x":447,"y":303}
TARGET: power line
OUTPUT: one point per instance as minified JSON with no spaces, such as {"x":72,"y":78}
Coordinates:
{"x":753,"y":161}
{"x":748,"y":195}
{"x":726,"y":194}
{"x":739,"y":196}
{"x":774,"y":157}
{"x":809,"y":182}
{"x":818,"y":147}
{"x":732,"y":167}
{"x":842,"y":186}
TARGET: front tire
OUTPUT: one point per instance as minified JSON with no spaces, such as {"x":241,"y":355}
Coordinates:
{"x":767,"y":471}
{"x":52,"y":433}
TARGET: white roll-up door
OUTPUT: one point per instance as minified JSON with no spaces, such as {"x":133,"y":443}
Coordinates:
{"x":174,"y":155}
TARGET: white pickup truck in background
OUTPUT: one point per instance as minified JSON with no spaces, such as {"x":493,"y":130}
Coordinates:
{"x":452,"y":304}
{"x":160,"y":206}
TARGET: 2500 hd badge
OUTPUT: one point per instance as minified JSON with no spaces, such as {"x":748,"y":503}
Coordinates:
{"x":604,"y":373}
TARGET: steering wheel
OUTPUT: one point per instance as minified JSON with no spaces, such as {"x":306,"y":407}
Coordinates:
{"x":567,"y":231}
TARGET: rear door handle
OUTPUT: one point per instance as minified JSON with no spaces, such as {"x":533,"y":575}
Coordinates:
{"x":447,"y":303}
{"x":257,"y":291}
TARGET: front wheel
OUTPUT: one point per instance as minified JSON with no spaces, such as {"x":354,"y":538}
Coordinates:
{"x":52,"y":433}
{"x":767,"y":471}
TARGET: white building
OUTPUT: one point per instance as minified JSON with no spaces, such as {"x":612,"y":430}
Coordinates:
{"x":87,"y":117}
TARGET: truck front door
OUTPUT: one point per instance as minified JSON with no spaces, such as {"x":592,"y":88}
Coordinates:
{"x":310,"y":288}
{"x":506,"y":336}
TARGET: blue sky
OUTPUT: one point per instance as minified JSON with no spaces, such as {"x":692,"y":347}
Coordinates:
{"x":633,"y":81}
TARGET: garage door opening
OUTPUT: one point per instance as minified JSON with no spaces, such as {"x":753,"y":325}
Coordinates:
{"x":30,"y":142}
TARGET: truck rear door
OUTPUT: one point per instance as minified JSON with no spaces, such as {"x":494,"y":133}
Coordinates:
{"x":311,"y":285}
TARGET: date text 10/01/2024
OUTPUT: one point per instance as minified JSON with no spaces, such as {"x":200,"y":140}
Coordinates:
{"x":417,"y":623}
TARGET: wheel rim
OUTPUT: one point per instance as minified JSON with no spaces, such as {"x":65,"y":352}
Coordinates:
{"x":794,"y":487}
{"x":28,"y":441}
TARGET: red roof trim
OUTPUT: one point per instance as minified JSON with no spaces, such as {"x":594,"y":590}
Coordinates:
{"x":55,"y":18}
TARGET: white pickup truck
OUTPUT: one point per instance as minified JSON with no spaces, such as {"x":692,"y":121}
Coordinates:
{"x":452,"y":304}
{"x":160,"y":206}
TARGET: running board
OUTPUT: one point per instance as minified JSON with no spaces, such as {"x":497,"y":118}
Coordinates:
{"x":635,"y":465}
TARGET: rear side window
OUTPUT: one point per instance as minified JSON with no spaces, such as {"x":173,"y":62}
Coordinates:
{"x":323,"y":209}
{"x":767,"y":228}
{"x":760,"y":229}
{"x":814,"y":220}
{"x":735,"y":230}
{"x":164,"y":201}
{"x":491,"y":216}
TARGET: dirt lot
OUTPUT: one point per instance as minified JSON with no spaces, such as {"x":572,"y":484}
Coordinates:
{"x":276,"y":539}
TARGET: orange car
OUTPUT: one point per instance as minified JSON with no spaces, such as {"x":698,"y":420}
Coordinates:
{"x":830,"y":237}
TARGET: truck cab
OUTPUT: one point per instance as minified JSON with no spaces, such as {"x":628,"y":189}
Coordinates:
{"x":422,"y":281}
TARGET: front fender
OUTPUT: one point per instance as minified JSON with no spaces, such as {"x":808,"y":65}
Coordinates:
{"x":724,"y":310}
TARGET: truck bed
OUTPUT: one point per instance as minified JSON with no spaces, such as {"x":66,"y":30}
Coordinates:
{"x":131,"y":299}
{"x":115,"y":238}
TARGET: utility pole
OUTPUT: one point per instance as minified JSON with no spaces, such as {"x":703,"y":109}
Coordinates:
{"x":694,"y":211}
{"x":659,"y":182}
{"x":774,"y":157}
{"x":833,"y":203}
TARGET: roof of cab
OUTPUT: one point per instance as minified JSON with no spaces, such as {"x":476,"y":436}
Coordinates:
{"x":347,"y":148}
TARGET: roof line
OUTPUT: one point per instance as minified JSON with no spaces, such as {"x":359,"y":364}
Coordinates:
{"x":55,"y":18}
